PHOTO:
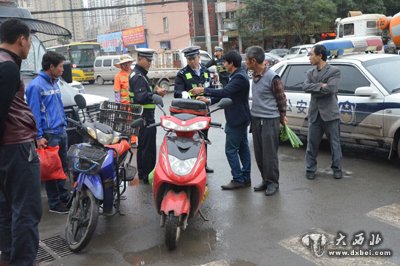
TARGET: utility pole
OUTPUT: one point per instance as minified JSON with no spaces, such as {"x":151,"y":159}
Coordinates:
{"x":239,"y":38}
{"x":72,"y":21}
{"x":207,"y":26}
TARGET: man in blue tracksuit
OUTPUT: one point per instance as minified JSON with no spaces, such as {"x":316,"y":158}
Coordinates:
{"x":237,"y":119}
{"x":44,"y":97}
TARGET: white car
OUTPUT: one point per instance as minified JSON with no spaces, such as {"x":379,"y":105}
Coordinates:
{"x":369,"y":98}
{"x":299,"y":51}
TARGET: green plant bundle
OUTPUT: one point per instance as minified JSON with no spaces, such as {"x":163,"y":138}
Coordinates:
{"x":287,"y":134}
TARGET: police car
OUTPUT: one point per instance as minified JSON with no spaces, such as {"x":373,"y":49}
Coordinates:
{"x":368,"y":97}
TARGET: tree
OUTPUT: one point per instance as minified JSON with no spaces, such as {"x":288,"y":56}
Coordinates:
{"x":291,"y":17}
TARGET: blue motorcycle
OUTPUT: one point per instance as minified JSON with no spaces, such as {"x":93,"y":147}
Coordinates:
{"x":100,"y":169}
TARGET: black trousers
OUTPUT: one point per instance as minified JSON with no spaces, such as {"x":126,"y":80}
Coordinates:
{"x":20,"y":203}
{"x":266,"y":143}
{"x":146,"y":150}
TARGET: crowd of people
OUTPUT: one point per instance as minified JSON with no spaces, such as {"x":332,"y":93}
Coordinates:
{"x":39,"y":121}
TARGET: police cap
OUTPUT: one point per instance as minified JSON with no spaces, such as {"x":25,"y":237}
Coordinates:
{"x":218,"y":49}
{"x":191,"y":51}
{"x":146,"y":52}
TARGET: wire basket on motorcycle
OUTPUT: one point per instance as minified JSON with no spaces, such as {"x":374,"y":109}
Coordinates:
{"x":120,"y":116}
{"x":85,"y":158}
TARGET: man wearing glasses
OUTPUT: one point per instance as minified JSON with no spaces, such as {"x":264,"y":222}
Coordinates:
{"x":140,"y":92}
{"x":191,"y":76}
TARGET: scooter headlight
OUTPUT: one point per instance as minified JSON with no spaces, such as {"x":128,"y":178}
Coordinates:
{"x":181,"y":167}
{"x":104,"y":138}
{"x":192,"y":127}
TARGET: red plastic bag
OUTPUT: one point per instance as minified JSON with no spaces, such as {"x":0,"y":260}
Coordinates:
{"x":50,"y":164}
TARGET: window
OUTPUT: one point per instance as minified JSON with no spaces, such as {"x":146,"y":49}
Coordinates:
{"x":371,"y":24}
{"x":350,"y":79}
{"x":116,"y":61}
{"x":107,"y":62}
{"x":165,"y":24}
{"x":201,"y":20}
{"x":97,"y":63}
{"x":294,"y":77}
{"x":165,"y":45}
{"x":349,"y":29}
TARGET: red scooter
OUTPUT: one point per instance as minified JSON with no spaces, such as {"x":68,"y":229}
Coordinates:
{"x":180,"y":179}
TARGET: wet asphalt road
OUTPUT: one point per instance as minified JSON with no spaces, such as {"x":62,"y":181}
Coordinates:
{"x":248,"y":228}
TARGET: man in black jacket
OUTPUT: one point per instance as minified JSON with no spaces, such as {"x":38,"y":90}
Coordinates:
{"x":20,"y":200}
{"x":237,"y":119}
{"x":218,"y":61}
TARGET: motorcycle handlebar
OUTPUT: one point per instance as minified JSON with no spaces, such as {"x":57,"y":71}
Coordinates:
{"x":153,"y":125}
{"x":212,"y":124}
{"x":76,"y":123}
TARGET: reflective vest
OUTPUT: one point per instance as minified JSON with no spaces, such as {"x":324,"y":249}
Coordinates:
{"x":121,"y":86}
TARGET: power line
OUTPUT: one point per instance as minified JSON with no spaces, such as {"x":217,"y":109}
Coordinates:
{"x":107,"y":7}
{"x":111,"y":15}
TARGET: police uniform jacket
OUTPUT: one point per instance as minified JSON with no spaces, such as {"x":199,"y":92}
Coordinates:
{"x":219,"y":63}
{"x":140,"y":92}
{"x":187,"y":79}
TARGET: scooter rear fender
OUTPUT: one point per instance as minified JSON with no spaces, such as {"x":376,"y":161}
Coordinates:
{"x":177,"y":202}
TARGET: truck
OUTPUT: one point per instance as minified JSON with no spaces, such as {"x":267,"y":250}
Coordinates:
{"x":32,"y":65}
{"x":361,"y":25}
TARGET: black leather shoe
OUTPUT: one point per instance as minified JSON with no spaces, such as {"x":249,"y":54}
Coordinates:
{"x":233,"y":185}
{"x":261,"y":187}
{"x":337,"y":175}
{"x":209,"y":170}
{"x":310,"y":175}
{"x":271,"y":189}
{"x":247,"y":183}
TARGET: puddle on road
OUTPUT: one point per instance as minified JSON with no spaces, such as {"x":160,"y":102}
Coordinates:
{"x":192,"y":243}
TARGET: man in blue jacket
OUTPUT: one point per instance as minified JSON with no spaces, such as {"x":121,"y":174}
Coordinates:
{"x":44,"y":97}
{"x":237,"y":119}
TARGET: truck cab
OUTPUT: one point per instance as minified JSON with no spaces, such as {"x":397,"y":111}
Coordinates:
{"x":358,"y":25}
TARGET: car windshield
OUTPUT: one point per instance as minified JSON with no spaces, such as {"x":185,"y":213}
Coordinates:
{"x":386,"y":71}
{"x":294,"y":50}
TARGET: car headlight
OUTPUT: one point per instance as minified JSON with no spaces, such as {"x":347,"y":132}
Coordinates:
{"x":193,"y":127}
{"x":181,"y":167}
{"x":104,"y":138}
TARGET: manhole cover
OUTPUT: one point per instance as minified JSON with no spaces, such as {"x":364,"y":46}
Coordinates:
{"x":52,"y":248}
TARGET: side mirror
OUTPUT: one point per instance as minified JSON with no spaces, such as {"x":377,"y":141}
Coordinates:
{"x":224,"y":102}
{"x":366,"y":92}
{"x":157,"y":99}
{"x":80,"y":101}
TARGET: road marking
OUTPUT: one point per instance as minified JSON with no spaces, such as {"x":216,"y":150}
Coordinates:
{"x":389,"y":214}
{"x":216,"y":263}
{"x":295,"y":245}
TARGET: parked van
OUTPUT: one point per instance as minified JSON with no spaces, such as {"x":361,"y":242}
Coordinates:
{"x":104,"y":69}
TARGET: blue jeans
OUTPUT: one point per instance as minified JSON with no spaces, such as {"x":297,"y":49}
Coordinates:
{"x":238,"y":153}
{"x":56,"y":191}
{"x":20,"y":203}
{"x":315,"y":132}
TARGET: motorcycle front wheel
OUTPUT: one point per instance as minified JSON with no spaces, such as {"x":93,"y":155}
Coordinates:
{"x":82,"y":220}
{"x":172,"y":231}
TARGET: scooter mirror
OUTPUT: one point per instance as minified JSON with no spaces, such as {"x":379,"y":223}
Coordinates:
{"x":80,"y":101}
{"x":224,"y":102}
{"x":137,"y":122}
{"x":157,"y":99}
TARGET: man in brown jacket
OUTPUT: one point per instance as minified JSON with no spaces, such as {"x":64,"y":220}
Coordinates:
{"x":20,"y":201}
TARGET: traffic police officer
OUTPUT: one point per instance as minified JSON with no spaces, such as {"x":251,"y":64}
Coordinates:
{"x":191,"y":76}
{"x":140,"y":92}
{"x":218,"y":61}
